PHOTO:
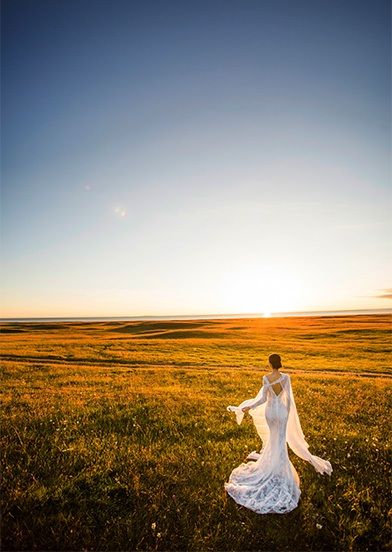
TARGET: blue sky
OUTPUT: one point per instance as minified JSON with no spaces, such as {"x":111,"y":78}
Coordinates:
{"x":195,"y":157}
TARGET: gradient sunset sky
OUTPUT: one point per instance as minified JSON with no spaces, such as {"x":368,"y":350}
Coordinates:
{"x":192,"y":157}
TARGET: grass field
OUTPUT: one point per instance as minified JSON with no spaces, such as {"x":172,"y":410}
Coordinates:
{"x":115,"y":436}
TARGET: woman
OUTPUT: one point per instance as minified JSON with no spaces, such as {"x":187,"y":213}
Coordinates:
{"x":271,"y":483}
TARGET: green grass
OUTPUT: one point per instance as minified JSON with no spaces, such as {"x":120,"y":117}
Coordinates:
{"x":115,"y":455}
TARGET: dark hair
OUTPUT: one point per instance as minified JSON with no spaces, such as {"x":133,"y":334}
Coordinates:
{"x":275,"y":361}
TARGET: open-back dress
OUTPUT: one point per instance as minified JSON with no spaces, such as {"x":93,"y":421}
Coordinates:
{"x":270,"y":484}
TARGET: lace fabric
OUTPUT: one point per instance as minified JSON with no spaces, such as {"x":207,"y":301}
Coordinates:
{"x":270,"y":484}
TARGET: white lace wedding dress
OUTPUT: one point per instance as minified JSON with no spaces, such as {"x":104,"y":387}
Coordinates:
{"x":270,"y":484}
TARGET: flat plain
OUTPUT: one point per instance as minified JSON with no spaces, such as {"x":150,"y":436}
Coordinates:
{"x":115,"y":435}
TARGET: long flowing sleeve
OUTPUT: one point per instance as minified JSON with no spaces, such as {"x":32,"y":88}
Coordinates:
{"x":257,"y":411}
{"x":296,"y":439}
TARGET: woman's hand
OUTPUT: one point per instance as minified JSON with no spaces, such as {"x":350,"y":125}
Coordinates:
{"x":246,"y":409}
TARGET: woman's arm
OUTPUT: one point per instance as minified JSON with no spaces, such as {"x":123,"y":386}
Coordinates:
{"x":248,"y":404}
{"x":260,"y":399}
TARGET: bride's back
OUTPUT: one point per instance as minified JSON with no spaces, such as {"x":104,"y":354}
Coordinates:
{"x":274,"y":381}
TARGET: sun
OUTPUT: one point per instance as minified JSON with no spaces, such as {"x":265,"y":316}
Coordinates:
{"x":261,"y":289}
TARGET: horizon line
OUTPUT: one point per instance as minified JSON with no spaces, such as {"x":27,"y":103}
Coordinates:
{"x":337,"y":312}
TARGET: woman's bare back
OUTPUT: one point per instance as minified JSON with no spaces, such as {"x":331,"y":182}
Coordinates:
{"x":277,"y":387}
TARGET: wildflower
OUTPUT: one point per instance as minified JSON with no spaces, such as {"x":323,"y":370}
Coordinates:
{"x":319,"y":526}
{"x":159,"y":535}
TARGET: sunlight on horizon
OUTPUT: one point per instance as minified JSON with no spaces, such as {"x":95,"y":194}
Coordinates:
{"x":262,"y":288}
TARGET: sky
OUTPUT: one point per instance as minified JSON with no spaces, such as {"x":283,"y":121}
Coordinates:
{"x":197,"y":157}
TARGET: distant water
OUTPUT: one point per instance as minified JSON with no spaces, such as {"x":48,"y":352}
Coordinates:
{"x":199,"y":316}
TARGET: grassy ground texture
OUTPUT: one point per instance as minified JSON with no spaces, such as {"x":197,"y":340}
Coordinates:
{"x":116,"y":436}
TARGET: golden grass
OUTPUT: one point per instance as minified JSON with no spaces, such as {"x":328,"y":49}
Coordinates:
{"x":346,"y":343}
